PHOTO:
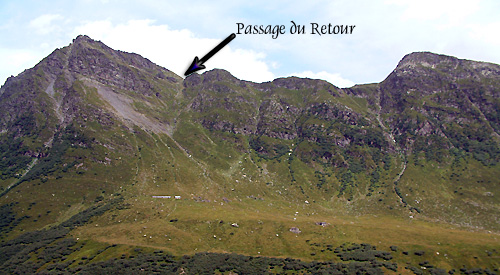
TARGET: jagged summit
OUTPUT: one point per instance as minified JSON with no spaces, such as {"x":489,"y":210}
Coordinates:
{"x":83,"y":38}
{"x":90,"y":57}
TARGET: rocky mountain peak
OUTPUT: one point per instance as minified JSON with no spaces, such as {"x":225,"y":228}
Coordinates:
{"x":83,"y":38}
{"x":426,"y":73}
{"x":422,"y":62}
{"x":425,"y":59}
{"x":121,"y":69}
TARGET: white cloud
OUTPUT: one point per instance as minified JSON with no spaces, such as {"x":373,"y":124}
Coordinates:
{"x":335,"y":79}
{"x":45,"y":24}
{"x":485,"y":33}
{"x":175,"y":49}
{"x":453,"y":11}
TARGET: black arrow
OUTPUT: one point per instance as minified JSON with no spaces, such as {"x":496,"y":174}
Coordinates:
{"x":198,"y":64}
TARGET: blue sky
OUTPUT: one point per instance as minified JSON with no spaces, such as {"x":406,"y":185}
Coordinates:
{"x":171,"y":33}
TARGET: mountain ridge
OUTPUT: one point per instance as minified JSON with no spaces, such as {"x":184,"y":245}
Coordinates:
{"x":89,"y":124}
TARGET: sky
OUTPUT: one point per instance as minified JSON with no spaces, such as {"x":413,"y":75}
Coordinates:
{"x":172,"y":33}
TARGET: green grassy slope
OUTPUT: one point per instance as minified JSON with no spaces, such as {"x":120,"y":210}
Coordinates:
{"x":249,"y":162}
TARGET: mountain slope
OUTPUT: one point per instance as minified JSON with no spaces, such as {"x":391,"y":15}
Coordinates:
{"x":415,"y":153}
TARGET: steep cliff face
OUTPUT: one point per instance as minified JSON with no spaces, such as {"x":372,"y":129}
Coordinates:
{"x":88,"y":119}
